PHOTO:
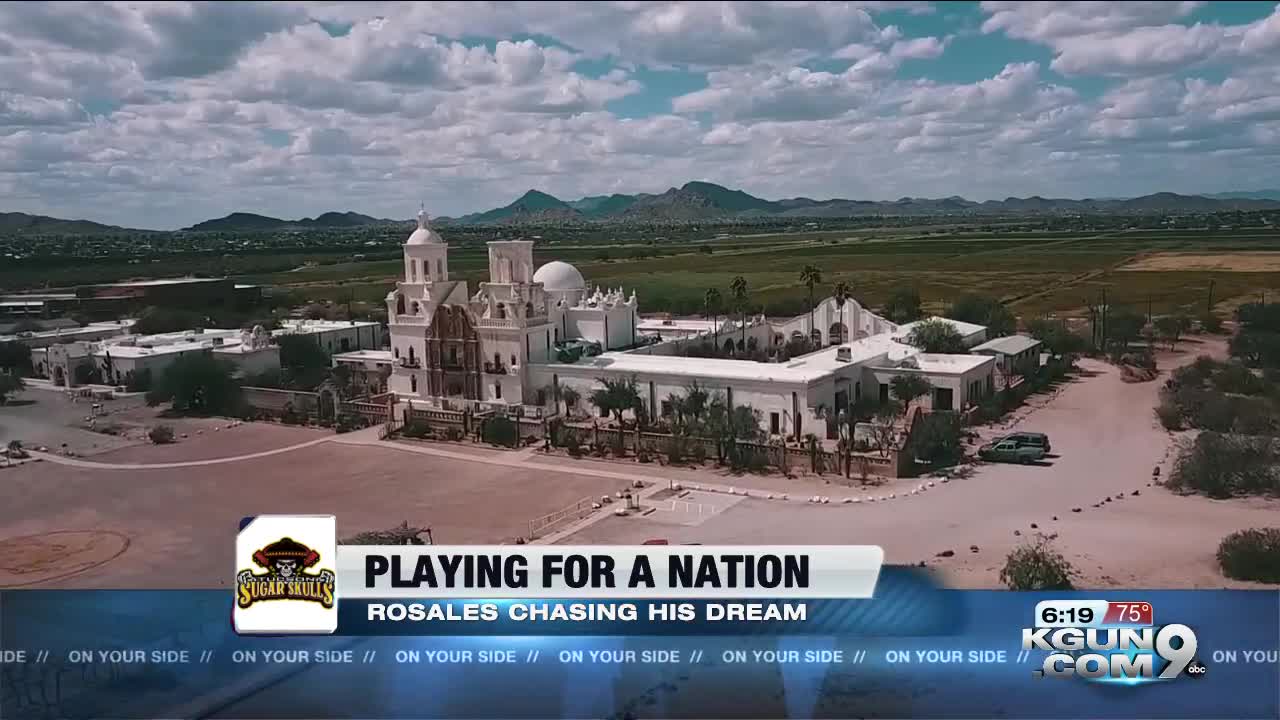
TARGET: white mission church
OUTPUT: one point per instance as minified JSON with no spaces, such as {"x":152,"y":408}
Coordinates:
{"x":508,"y":344}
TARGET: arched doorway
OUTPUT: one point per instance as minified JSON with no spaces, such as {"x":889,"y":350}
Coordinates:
{"x":837,"y":333}
{"x":59,"y":376}
{"x":328,"y":400}
{"x":815,"y":336}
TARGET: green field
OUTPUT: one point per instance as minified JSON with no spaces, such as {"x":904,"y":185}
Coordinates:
{"x":1034,"y":273}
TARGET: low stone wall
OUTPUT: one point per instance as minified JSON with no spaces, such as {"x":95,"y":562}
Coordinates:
{"x":275,"y":402}
{"x":373,"y":413}
{"x":893,"y":464}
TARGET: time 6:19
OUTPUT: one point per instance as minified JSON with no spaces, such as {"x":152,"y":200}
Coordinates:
{"x":1070,"y":613}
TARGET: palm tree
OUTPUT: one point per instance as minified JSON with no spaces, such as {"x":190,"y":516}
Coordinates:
{"x":738,"y":288}
{"x":712,"y":301}
{"x":841,"y":294}
{"x":810,"y":275}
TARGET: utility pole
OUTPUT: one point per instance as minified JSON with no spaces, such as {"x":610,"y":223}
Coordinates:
{"x":1209,"y":303}
{"x":1148,"y":309}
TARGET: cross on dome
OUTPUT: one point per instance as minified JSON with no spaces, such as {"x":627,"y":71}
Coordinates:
{"x":423,"y":217}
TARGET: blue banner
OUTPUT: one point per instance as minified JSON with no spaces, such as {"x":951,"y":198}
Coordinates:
{"x":913,"y":651}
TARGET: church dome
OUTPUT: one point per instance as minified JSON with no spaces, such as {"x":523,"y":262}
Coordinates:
{"x":424,"y":235}
{"x":557,"y":275}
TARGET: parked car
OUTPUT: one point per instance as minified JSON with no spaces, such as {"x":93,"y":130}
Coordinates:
{"x":1029,"y":439}
{"x":1009,"y":451}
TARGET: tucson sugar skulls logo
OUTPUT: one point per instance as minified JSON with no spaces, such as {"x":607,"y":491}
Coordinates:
{"x":1111,"y":643}
{"x":286,"y":575}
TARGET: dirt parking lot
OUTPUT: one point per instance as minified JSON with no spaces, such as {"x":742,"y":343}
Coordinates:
{"x":180,"y":523}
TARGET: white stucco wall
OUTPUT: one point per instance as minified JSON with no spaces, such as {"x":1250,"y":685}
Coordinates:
{"x":766,"y":397}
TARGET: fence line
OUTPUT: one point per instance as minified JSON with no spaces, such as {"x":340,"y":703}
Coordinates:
{"x":576,"y":511}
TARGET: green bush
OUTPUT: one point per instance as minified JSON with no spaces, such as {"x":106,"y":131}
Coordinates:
{"x":936,"y":438}
{"x":416,"y":429}
{"x":1212,"y":411}
{"x":161,"y":435}
{"x":1254,"y":416}
{"x":453,"y":434}
{"x":1222,"y":466}
{"x":1037,"y":566}
{"x":501,"y":431}
{"x":1251,"y":555}
{"x":747,"y":458}
{"x":1238,"y":379}
{"x":1169,"y":413}
{"x":138,"y":381}
{"x":675,"y":448}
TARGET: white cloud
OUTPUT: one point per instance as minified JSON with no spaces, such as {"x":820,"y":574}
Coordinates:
{"x":163,"y":115}
{"x":1131,"y":38}
{"x":921,"y":48}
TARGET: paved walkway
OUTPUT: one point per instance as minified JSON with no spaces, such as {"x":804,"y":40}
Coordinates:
{"x":77,"y":462}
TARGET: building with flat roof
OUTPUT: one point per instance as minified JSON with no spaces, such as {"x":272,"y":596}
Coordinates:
{"x":1014,"y":354}
{"x":369,"y":370}
{"x":336,"y":336}
{"x":971,"y":334}
{"x":92,"y":331}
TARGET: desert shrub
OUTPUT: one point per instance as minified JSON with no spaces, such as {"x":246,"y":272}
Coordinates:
{"x":416,"y":429}
{"x":1169,"y":413}
{"x":1223,"y":466}
{"x":161,"y":435}
{"x":1037,"y":566}
{"x":1251,"y":555}
{"x":1254,"y":416}
{"x":501,"y":431}
{"x":1210,"y":323}
{"x":138,"y":381}
{"x":699,"y":453}
{"x":1212,"y":411}
{"x":936,"y":438}
{"x":1236,"y":378}
{"x":347,"y":423}
{"x":676,"y":448}
{"x":747,"y":458}
{"x":453,"y":434}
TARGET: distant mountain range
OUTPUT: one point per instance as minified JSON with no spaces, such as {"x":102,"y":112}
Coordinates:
{"x":695,"y":201}
{"x":708,"y":201}
{"x":239,"y":221}
{"x":16,"y":223}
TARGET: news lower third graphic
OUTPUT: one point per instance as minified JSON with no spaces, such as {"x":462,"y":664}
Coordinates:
{"x":537,"y":632}
{"x":1112,"y":642}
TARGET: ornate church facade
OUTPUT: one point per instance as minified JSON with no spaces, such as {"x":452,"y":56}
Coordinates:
{"x":455,"y":349}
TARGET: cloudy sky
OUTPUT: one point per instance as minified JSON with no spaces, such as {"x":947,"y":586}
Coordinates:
{"x":163,"y":114}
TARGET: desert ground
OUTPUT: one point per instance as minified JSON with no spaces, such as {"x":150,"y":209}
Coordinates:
{"x":129,"y":514}
{"x":1246,"y":262}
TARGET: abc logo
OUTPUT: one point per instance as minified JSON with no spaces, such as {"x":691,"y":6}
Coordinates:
{"x":1196,"y":669}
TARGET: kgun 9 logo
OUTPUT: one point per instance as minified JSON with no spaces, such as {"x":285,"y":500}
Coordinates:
{"x":1125,"y":655}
